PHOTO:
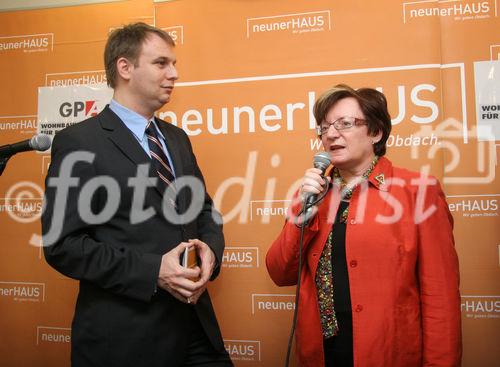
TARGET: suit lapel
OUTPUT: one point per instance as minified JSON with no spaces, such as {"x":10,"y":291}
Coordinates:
{"x":124,"y":140}
{"x":121,"y":136}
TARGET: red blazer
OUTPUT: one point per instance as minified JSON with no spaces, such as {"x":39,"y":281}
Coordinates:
{"x":403,"y":273}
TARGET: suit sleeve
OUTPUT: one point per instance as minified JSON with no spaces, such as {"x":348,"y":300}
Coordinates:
{"x":282,"y":259}
{"x":69,"y":246}
{"x":209,"y":221}
{"x":438,"y":275}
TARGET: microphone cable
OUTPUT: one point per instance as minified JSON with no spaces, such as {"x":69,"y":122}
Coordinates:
{"x":305,"y":222}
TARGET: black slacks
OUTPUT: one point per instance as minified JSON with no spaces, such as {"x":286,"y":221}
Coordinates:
{"x":201,"y":351}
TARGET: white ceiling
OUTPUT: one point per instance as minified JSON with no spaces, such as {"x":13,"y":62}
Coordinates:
{"x":8,"y":5}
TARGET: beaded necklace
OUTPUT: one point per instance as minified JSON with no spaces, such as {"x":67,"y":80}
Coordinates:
{"x":346,"y":191}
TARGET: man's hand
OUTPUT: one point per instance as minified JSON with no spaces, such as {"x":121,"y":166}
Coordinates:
{"x":207,"y":259}
{"x":176,"y":279}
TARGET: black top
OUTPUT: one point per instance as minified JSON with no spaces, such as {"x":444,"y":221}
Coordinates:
{"x":338,"y":349}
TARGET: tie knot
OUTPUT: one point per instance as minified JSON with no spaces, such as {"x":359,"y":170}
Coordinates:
{"x":150,"y":128}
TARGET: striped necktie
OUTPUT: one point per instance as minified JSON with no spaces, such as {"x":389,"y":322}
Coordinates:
{"x":158,"y":158}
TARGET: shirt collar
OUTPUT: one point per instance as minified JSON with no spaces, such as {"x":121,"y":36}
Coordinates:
{"x":381,"y":173}
{"x":134,"y":122}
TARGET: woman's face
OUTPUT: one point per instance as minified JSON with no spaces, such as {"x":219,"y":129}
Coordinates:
{"x":350,"y":149}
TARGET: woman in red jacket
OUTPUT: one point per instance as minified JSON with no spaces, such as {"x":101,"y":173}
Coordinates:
{"x":380,"y":279}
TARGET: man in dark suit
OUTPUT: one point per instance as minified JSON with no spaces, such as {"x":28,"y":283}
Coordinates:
{"x":117,"y":220}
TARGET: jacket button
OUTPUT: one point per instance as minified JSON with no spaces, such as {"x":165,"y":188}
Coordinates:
{"x":353,"y":263}
{"x":359,"y":308}
{"x":353,"y":221}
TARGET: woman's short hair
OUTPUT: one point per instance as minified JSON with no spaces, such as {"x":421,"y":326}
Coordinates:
{"x":127,"y":42}
{"x":373,"y":104}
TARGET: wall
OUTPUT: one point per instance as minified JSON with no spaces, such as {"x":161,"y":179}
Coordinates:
{"x":438,"y":62}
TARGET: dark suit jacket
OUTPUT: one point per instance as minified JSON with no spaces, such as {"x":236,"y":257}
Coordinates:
{"x":120,"y":318}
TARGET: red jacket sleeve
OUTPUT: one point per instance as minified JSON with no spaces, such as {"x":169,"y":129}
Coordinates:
{"x":439,"y":281}
{"x":282,"y":259}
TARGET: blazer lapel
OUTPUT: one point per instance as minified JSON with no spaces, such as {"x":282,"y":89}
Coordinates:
{"x":124,"y":140}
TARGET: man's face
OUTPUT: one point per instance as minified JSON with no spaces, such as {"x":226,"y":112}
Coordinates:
{"x":153,"y":76}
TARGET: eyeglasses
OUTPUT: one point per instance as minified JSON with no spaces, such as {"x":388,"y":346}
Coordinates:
{"x":342,"y":123}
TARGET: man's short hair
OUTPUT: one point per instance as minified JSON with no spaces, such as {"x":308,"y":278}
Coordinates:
{"x":127,"y":42}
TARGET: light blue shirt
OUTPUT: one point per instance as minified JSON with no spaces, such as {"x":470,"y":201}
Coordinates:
{"x":137,"y":125}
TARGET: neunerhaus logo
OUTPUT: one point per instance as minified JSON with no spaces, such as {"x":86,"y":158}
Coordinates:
{"x":24,"y":124}
{"x":22,"y":292}
{"x":177,"y":33}
{"x":458,"y":10}
{"x":52,"y":335}
{"x":243,"y":350}
{"x":240,"y":257}
{"x":422,"y":106}
{"x":474,"y":207}
{"x":298,"y":23}
{"x":481,"y":307}
{"x":272,"y":303}
{"x":27,"y":43}
{"x":26,"y":208}
{"x":75,"y":78}
{"x":264,"y":210}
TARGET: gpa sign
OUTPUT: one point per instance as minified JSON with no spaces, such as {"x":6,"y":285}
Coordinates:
{"x":60,"y":107}
{"x":487,"y":83}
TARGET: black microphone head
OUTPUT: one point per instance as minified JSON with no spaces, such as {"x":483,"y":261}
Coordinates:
{"x":322,"y":161}
{"x":40,"y":142}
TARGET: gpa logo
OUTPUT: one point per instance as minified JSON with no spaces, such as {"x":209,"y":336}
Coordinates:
{"x":457,"y":9}
{"x":243,"y":350}
{"x":80,"y":109}
{"x":240,"y":257}
{"x":27,"y":43}
{"x":22,"y":291}
{"x":480,"y":307}
{"x":52,"y":335}
{"x":60,"y":107}
{"x":299,"y":23}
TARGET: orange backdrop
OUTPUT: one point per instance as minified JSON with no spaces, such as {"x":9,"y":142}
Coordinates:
{"x":249,"y":75}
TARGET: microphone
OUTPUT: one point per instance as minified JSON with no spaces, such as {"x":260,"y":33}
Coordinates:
{"x":321,"y":161}
{"x":38,"y":142}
